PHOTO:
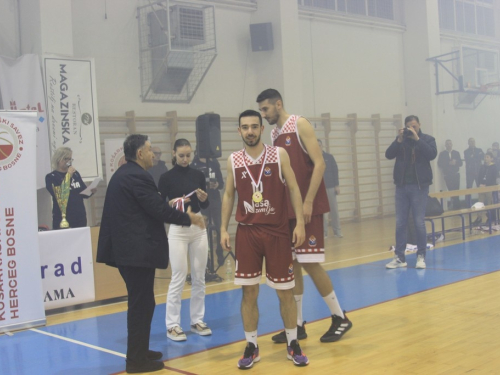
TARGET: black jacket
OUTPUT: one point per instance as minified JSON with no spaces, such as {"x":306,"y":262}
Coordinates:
{"x":75,"y":210}
{"x":444,"y":162}
{"x":424,"y":150}
{"x":331,"y":175}
{"x":487,"y":175}
{"x":132,"y":231}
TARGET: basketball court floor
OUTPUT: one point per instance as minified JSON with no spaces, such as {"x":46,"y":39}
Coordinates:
{"x":441,"y":320}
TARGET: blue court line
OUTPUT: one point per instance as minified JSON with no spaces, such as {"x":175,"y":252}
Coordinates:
{"x":356,"y":287}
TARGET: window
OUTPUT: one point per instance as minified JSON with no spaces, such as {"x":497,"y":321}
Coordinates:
{"x":381,"y":8}
{"x":371,"y":8}
{"x":468,"y":16}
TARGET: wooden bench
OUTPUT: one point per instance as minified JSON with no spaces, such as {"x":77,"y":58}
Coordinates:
{"x":463,"y":212}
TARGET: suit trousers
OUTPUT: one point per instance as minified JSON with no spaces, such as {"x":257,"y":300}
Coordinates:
{"x":334,"y":213}
{"x":141,"y":306}
{"x":453,"y":183}
{"x":183,"y":242}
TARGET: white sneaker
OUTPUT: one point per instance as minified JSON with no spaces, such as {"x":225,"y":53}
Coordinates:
{"x":420,"y":261}
{"x":396,"y":263}
{"x":201,"y":329}
{"x":176,"y":334}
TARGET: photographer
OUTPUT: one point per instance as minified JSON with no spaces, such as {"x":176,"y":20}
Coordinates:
{"x":413,"y":151}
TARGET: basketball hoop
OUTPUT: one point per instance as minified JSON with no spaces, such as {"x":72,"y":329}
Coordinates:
{"x":492,"y":88}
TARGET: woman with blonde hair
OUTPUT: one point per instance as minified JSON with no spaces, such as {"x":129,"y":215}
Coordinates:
{"x":62,"y":164}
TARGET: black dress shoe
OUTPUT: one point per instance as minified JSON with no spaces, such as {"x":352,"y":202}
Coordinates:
{"x":149,"y":366}
{"x":153,"y":356}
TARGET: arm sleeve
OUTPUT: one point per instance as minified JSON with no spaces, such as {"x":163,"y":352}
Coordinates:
{"x":144,"y":191}
{"x":392,"y":150}
{"x":163,"y":187}
{"x":427,"y":147}
{"x":48,"y":184}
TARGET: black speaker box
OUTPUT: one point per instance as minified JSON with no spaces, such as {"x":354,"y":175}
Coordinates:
{"x":261,"y":35}
{"x":208,"y":140}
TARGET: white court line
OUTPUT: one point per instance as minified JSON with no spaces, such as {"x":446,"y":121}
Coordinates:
{"x":79,"y":343}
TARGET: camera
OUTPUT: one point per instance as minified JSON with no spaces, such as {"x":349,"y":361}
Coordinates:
{"x":407,"y":133}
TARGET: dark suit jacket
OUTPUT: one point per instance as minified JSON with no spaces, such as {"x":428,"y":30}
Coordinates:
{"x":444,"y":162}
{"x":132,"y":231}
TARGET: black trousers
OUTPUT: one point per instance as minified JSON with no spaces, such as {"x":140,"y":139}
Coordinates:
{"x":470,"y":178}
{"x":141,"y":306}
{"x":453,"y":183}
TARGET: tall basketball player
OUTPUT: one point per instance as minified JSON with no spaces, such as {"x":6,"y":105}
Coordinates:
{"x":296,"y":135}
{"x":259,"y":173}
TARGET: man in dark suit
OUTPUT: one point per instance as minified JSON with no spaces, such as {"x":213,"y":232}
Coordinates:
{"x":473,"y":157}
{"x":450,"y":162}
{"x":132,"y":238}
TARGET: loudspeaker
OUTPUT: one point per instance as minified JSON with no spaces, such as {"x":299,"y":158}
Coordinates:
{"x":261,"y":35}
{"x":208,"y":140}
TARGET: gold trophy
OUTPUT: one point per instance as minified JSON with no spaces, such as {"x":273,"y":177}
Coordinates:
{"x":62,"y":195}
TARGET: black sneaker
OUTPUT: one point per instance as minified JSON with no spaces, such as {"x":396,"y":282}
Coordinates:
{"x":280,"y":338}
{"x":338,"y":328}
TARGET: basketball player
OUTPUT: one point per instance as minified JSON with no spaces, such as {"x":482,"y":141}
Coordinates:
{"x":259,"y":173}
{"x":296,"y":135}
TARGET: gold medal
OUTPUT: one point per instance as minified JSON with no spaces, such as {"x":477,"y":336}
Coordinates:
{"x":257,"y":197}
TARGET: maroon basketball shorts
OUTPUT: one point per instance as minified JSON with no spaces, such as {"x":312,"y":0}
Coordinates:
{"x":312,"y":249}
{"x":253,"y":245}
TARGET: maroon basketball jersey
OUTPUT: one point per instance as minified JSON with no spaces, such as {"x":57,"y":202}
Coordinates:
{"x":302,"y":165}
{"x":271,"y":211}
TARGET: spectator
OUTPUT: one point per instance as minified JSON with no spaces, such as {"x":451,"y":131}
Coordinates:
{"x":450,"y":162}
{"x":473,"y":157}
{"x":487,"y":176}
{"x":495,"y":151}
{"x":331,"y":177}
{"x":159,"y":167}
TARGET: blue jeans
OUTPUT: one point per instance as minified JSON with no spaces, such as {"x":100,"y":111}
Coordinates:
{"x":410,"y":196}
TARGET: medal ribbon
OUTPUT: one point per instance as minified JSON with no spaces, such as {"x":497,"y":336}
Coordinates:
{"x":179,"y":202}
{"x":256,"y":184}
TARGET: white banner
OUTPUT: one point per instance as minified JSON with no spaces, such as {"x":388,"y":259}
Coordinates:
{"x":20,"y":286}
{"x":113,"y":153}
{"x":22,"y":89}
{"x":72,"y":112}
{"x":67,"y":267}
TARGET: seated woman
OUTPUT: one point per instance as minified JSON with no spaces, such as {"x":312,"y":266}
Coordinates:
{"x":75,"y":212}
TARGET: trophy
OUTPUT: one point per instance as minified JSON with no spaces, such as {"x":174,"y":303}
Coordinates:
{"x":62,"y":195}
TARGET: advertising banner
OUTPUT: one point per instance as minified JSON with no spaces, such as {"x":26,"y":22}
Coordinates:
{"x":113,"y":152}
{"x":72,"y":111}
{"x":66,"y":267}
{"x":20,"y":283}
{"x":21,"y":89}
